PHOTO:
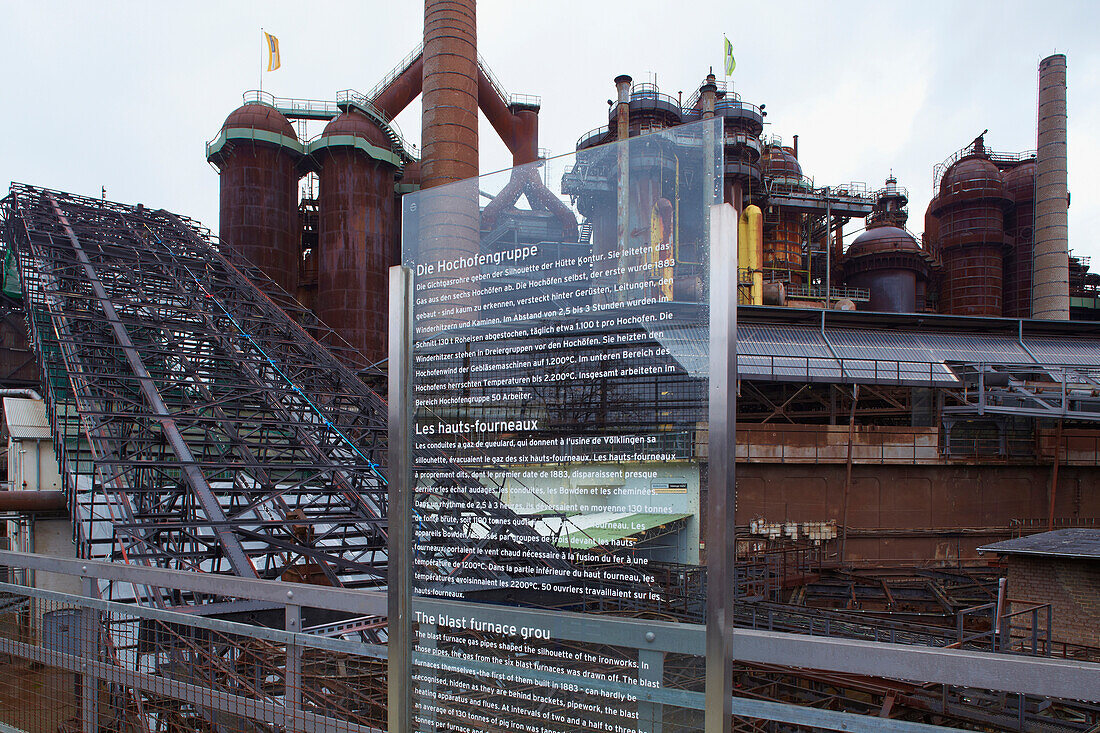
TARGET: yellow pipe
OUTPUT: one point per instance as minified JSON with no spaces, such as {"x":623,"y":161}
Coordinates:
{"x":750,"y":254}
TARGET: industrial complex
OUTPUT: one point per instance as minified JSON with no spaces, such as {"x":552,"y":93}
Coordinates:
{"x":199,"y":428}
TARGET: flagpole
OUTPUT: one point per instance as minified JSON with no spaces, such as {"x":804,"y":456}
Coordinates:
{"x":261,"y":62}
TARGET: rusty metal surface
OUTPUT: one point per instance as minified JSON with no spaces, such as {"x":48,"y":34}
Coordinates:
{"x":356,"y":235}
{"x":970,"y":209}
{"x":32,"y":501}
{"x":525,"y":136}
{"x":915,"y":512}
{"x":886,"y":261}
{"x":1020,"y":234}
{"x":450,"y":96}
{"x":783,"y":248}
{"x":258,"y":209}
{"x":780,"y":162}
{"x":400,"y":92}
{"x":18,"y":364}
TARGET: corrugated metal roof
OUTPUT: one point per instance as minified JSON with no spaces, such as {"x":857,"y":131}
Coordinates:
{"x":26,"y":419}
{"x":597,"y":530}
{"x":770,"y":351}
{"x":1079,"y":543}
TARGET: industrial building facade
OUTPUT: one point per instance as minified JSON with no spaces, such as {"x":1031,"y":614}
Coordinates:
{"x":219,"y":405}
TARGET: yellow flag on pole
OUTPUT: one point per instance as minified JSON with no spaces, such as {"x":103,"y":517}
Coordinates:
{"x":731,"y":64}
{"x":272,"y":51}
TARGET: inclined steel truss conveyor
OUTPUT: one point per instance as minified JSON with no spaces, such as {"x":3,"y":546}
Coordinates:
{"x":198,"y":425}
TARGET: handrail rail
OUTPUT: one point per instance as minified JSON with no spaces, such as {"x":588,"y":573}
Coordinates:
{"x":396,"y":71}
{"x":597,"y":132}
{"x":996,"y":157}
{"x":362,"y":102}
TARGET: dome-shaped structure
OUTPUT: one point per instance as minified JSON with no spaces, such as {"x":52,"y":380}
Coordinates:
{"x":356,"y":231}
{"x":259,"y":116}
{"x":970,"y":174}
{"x":358,"y":125}
{"x":1019,"y":220}
{"x":883,"y":239}
{"x":970,"y":209}
{"x":257,"y":153}
{"x":889,"y":263}
{"x":779,"y":162}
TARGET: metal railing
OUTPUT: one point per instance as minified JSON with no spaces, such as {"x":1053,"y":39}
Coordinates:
{"x":256,"y":656}
{"x":396,"y":71}
{"x":315,"y":106}
{"x":723,"y":86}
{"x":859,"y":295}
{"x":998,"y":158}
{"x":401,"y":146}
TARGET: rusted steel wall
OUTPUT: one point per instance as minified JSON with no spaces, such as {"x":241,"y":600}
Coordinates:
{"x":916,"y":512}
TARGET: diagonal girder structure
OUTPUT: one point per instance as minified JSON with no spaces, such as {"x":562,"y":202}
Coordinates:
{"x":199,"y":426}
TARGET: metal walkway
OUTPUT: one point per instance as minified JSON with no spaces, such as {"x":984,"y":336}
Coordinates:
{"x":198,"y":425}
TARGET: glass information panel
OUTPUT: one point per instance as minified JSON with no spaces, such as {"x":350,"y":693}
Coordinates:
{"x":559,"y":438}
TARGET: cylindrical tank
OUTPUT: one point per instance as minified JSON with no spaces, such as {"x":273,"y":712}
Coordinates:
{"x":1051,"y":268}
{"x":970,"y":208}
{"x":256,"y":155}
{"x":782,"y":229}
{"x":449,"y":222}
{"x":1020,"y":234}
{"x":356,"y":231}
{"x":887,"y":262}
{"x":741,"y":127}
{"x":449,"y":94}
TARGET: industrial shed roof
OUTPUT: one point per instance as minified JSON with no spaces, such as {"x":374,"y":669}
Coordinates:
{"x":1080,"y":543}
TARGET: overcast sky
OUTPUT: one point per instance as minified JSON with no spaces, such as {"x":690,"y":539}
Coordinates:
{"x":125,"y":94}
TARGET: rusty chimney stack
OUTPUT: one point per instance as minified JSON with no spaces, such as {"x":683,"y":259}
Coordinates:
{"x":1050,"y":273}
{"x":450,"y":222}
{"x":449,"y":138}
{"x":622,"y":111}
{"x":710,"y":96}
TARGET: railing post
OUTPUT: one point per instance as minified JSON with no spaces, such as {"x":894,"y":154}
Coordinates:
{"x":651,"y":668}
{"x":89,"y":651}
{"x":292,"y":679}
{"x":1050,"y":631}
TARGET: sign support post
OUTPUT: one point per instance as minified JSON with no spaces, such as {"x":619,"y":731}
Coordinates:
{"x":721,"y":455}
{"x":400,"y":499}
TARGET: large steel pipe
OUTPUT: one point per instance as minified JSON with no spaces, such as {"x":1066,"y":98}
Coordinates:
{"x":449,"y":92}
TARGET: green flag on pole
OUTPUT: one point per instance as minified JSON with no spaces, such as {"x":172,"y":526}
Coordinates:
{"x":731,"y":64}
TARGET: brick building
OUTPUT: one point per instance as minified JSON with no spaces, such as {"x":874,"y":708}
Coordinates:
{"x":1061,"y":568}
